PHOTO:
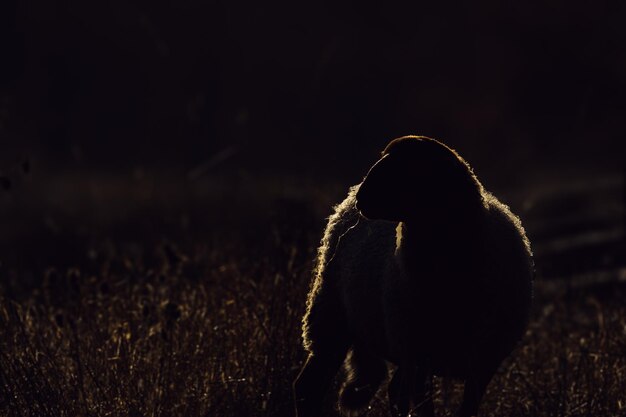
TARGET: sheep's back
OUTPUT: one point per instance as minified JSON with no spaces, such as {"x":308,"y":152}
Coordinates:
{"x":496,"y":294}
{"x":467,"y":293}
{"x":510,"y":269}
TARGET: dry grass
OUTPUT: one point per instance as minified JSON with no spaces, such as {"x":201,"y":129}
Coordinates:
{"x":213,"y":330}
{"x":181,"y":334}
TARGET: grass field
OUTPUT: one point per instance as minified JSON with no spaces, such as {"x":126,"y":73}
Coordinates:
{"x":198,"y":319}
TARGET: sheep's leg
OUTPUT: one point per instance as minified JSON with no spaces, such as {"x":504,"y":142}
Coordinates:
{"x":408,"y":393}
{"x":329,"y":345}
{"x":422,"y":398}
{"x":475,"y":386}
{"x":364,"y":373}
{"x":398,"y":394}
{"x":314,"y":379}
{"x":421,"y":402}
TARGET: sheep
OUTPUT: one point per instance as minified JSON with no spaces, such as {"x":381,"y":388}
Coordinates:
{"x":419,"y":267}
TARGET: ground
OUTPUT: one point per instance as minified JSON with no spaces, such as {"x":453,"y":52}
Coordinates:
{"x":190,"y":305}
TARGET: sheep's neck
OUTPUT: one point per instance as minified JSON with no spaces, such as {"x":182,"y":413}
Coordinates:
{"x":434,"y":241}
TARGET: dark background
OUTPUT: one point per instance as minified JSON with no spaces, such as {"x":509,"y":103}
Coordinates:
{"x":120,"y":111}
{"x":313,"y":89}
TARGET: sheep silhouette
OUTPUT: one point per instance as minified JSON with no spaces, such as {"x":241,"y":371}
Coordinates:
{"x":419,"y":267}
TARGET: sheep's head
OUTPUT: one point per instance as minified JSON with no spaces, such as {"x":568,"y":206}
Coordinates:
{"x":417,"y":176}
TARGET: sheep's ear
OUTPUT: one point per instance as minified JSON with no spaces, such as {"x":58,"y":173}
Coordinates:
{"x":381,"y":195}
